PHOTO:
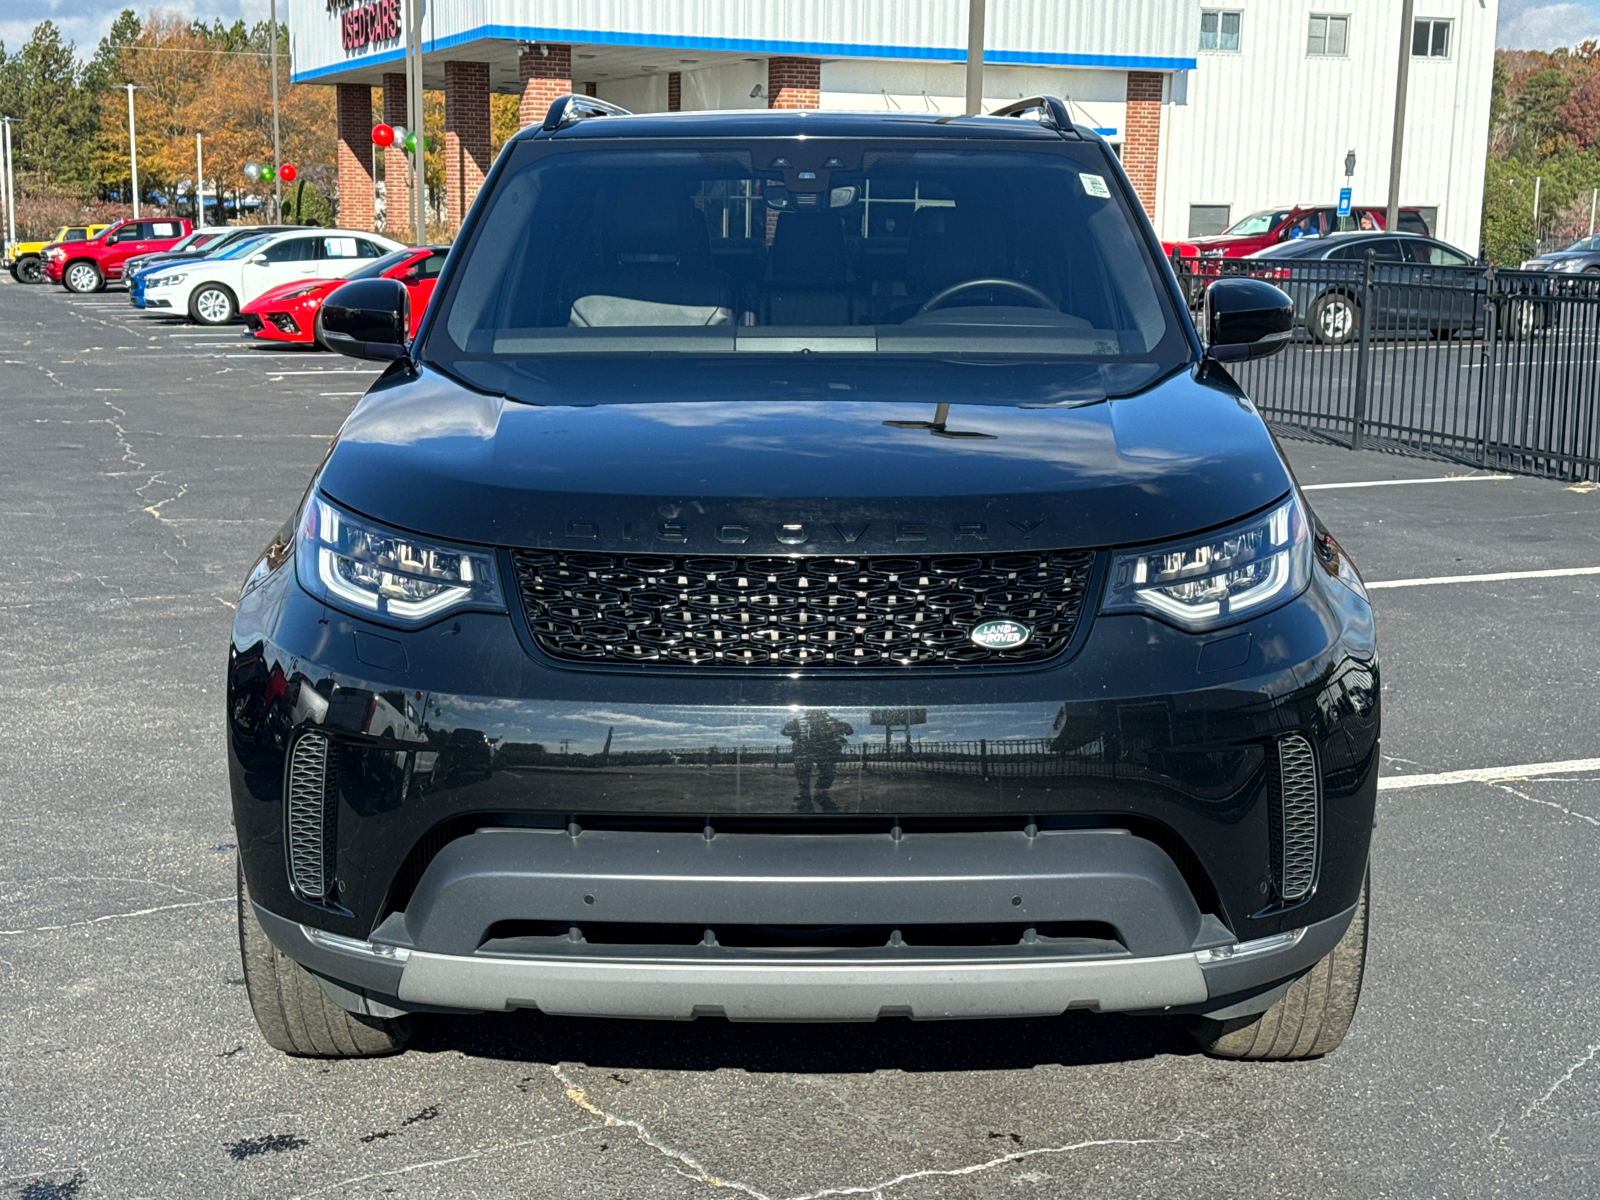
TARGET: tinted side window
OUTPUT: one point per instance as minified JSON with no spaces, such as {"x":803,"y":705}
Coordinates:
{"x":292,"y":250}
{"x":129,"y":233}
{"x":1386,"y":250}
{"x":76,"y":235}
{"x":1411,"y":222}
{"x":432,"y":265}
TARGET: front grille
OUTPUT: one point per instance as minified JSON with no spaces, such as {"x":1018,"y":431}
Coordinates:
{"x":1295,"y":818}
{"x":873,"y":612}
{"x":309,"y":815}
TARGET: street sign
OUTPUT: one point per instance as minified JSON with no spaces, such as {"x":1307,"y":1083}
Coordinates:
{"x":1344,"y":202}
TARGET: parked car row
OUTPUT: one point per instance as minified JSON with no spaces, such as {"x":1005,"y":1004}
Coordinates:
{"x":1419,"y":285}
{"x":274,"y":277}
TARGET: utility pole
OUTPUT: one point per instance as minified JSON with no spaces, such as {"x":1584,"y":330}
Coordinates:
{"x":277,"y":184}
{"x":1593,"y":196}
{"x":975,"y":57}
{"x":419,"y":200}
{"x":199,"y":185}
{"x":133,"y":150}
{"x":1402,"y":79}
{"x":10,"y":183}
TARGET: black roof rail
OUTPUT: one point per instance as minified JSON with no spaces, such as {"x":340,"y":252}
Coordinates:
{"x":569,"y":109}
{"x":1051,"y":109}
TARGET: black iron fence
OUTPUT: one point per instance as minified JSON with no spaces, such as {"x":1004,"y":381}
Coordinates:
{"x":1493,"y":367}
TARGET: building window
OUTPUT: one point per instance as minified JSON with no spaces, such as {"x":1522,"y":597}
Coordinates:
{"x":1430,"y":39}
{"x":1208,"y":219}
{"x":1328,"y":36}
{"x":1219,"y":30}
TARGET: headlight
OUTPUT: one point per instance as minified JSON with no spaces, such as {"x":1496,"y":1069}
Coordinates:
{"x":299,"y":293}
{"x":1220,"y":578}
{"x":164,"y":281}
{"x":362,"y":567}
{"x":1573,"y":264}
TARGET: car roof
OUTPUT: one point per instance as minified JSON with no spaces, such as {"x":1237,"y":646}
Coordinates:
{"x":794,"y":123}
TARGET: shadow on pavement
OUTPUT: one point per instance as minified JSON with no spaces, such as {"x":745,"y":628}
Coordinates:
{"x":897,"y":1044}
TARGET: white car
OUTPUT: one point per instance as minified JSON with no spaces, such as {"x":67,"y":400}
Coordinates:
{"x":211,"y":290}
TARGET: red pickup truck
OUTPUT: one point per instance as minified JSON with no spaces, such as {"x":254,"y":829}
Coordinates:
{"x":1274,"y":225}
{"x":89,"y":266}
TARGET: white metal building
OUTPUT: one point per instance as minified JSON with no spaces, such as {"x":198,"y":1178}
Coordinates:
{"x":1218,"y":110}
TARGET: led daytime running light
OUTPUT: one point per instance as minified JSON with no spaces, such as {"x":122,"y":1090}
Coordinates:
{"x":389,"y":575}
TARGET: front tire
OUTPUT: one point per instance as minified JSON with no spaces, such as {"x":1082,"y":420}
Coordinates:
{"x":1308,"y":1020}
{"x":294,"y":1013}
{"x":212,"y":304}
{"x":28,"y":269}
{"x":83,"y":278}
{"x":1334,"y":319}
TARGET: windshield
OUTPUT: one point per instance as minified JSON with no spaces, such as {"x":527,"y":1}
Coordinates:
{"x":242,"y":249}
{"x":908,"y":249}
{"x":1588,"y":245}
{"x":371,"y":269}
{"x":1257,"y":223}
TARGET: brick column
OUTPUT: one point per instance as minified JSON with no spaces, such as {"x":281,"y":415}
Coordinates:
{"x":354,"y":108}
{"x":794,"y":83}
{"x":396,"y":165}
{"x":1141,"y":142}
{"x":546,"y":73}
{"x":466,"y":136}
{"x":674,"y":91}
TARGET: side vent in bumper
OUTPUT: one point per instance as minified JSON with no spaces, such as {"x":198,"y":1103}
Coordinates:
{"x":308,"y":818}
{"x":1296,"y":818}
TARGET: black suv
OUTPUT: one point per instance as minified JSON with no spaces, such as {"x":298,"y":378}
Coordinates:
{"x":806,"y":567}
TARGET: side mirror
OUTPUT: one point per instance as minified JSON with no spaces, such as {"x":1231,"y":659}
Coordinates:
{"x":366,"y":318}
{"x":259,"y":260}
{"x":1245,"y":319}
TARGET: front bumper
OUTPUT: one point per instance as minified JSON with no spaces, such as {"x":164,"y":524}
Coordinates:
{"x":457,"y":728}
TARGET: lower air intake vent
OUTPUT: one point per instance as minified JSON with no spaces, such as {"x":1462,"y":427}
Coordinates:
{"x":309,"y":815}
{"x":1296,"y":819}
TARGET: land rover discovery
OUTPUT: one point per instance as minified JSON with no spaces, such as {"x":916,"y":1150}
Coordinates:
{"x":806,"y":567}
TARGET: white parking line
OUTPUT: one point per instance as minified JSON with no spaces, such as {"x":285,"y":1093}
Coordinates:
{"x":1366,"y":483}
{"x":1570,"y":766}
{"x":328,"y":371}
{"x":1494,"y":577}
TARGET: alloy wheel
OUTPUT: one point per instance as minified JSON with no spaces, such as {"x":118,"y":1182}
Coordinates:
{"x":1337,"y":321}
{"x":213,"y":306}
{"x":30,"y":270}
{"x":81,"y":277}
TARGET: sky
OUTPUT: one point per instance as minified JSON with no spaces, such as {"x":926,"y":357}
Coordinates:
{"x":1524,"y":24}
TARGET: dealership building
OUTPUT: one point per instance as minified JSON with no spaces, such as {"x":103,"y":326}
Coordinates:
{"x":1216,"y":110}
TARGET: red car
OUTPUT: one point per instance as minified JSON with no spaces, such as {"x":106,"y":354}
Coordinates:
{"x":1262,"y":229}
{"x":287,"y":312}
{"x":89,"y":265}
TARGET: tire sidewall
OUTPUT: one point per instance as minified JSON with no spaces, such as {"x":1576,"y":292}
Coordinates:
{"x":29,"y":269}
{"x":78,"y":271}
{"x":212,"y":288}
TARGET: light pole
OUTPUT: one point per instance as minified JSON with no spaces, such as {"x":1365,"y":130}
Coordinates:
{"x":133,"y":145}
{"x":414,"y":115}
{"x":277,"y":184}
{"x":1392,"y":219}
{"x":199,"y":184}
{"x":974,"y":57}
{"x":10,"y":182}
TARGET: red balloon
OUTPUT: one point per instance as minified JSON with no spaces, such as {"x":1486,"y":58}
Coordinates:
{"x":287,"y":172}
{"x":383,"y":135}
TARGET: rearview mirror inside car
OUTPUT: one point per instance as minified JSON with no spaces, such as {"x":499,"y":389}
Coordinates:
{"x":366,"y":318}
{"x":1245,"y":319}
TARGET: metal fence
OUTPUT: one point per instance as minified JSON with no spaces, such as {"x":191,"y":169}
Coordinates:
{"x":1493,"y":367}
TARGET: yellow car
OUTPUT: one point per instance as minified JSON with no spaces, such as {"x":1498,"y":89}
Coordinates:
{"x":25,"y":259}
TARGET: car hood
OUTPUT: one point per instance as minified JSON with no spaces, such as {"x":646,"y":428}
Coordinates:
{"x":801,"y":475}
{"x":278,"y":291}
{"x":1562,"y":256}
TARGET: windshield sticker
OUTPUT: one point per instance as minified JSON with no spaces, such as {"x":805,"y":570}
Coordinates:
{"x":1095,"y":185}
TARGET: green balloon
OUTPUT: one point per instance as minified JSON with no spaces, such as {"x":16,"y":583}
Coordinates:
{"x":411,"y":143}
{"x":267,"y":174}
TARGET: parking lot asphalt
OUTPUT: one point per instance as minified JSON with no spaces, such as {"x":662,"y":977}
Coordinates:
{"x":143,"y":464}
